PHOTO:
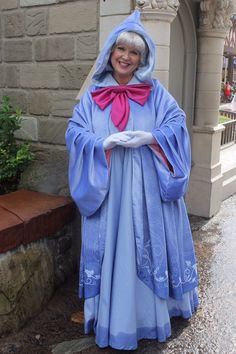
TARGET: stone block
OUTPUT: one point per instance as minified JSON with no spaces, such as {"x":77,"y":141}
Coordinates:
{"x":209,"y":81}
{"x":78,"y":17}
{"x":11,"y":230}
{"x":12,"y":76}
{"x":39,"y":76}
{"x":87,"y":47}
{"x":162,"y":76}
{"x":206,"y":153}
{"x":28,"y":3}
{"x":54,"y":49}
{"x":2,"y":75}
{"x":28,"y":130}
{"x":203,"y":197}
{"x":209,"y":63}
{"x":8,"y":4}
{"x":63,"y":103}
{"x":13,"y":24}
{"x":39,"y":103}
{"x":27,"y":271}
{"x":86,"y":83}
{"x":42,"y":216}
{"x":159,"y":31}
{"x":78,"y":345}
{"x":211,"y":45}
{"x":48,"y":172}
{"x":205,"y":187}
{"x":107,"y":24}
{"x":111,"y":7}
{"x":17,"y":50}
{"x":207,"y":99}
{"x":36,"y":22}
{"x":163,"y":55}
{"x":72,"y":76}
{"x":52,"y":131}
{"x":18,"y":98}
{"x":205,"y":116}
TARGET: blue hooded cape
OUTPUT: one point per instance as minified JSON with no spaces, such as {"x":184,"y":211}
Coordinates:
{"x":136,"y":193}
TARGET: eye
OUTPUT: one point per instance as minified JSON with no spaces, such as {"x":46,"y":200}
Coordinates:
{"x":119,"y":47}
{"x":134,"y":52}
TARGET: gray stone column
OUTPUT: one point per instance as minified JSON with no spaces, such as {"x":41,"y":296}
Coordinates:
{"x":157,"y":17}
{"x":205,"y":189}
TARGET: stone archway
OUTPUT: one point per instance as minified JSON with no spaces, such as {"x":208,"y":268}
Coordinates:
{"x":183,"y":57}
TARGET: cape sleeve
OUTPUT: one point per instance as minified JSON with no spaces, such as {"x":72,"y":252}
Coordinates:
{"x":172,"y":136}
{"x":88,"y":170}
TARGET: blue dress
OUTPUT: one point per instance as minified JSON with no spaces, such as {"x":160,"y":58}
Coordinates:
{"x":138,"y":267}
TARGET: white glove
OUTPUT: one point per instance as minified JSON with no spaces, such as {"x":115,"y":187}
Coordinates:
{"x":115,"y":139}
{"x":137,"y":139}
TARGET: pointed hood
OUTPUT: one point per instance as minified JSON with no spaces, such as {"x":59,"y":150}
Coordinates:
{"x":132,"y":24}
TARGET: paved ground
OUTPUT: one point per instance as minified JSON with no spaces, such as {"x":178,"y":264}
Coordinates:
{"x":212,"y":330}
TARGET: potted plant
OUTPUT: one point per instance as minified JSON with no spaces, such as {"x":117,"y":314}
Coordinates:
{"x":14,"y":156}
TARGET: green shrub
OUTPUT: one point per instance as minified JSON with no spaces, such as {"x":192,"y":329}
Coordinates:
{"x":14,"y":156}
{"x":223,"y":119}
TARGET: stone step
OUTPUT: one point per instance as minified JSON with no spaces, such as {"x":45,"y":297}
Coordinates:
{"x":229,"y":173}
{"x":73,"y":346}
{"x":27,"y":216}
{"x":229,"y":186}
{"x":228,"y":168}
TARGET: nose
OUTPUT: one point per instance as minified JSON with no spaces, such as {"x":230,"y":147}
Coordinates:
{"x":126,"y":55}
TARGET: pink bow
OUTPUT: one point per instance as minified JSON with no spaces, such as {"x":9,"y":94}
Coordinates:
{"x":118,"y":96}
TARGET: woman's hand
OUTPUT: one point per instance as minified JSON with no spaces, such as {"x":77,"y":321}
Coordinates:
{"x":138,"y":138}
{"x":115,"y":139}
{"x":129,"y":139}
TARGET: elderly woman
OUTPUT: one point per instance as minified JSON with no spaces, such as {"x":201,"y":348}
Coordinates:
{"x":128,"y":172}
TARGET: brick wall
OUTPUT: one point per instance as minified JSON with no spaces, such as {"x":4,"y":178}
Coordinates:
{"x":47,"y":48}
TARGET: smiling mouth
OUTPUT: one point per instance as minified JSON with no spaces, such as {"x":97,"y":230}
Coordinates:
{"x":125,"y":65}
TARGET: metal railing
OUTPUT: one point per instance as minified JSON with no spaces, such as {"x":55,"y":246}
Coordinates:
{"x":229,"y":134}
{"x":231,"y":115}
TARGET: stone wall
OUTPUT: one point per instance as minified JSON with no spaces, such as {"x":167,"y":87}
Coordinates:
{"x":39,"y":248}
{"x":29,"y":275}
{"x":47,"y":48}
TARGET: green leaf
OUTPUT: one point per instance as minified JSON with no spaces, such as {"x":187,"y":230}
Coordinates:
{"x":14,"y":157}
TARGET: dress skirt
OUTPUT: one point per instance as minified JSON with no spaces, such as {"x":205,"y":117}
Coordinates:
{"x":126,"y":310}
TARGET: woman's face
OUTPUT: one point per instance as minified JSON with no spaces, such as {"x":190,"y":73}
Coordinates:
{"x":124,"y":59}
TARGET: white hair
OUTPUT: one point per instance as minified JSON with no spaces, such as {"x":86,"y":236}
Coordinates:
{"x":136,"y":40}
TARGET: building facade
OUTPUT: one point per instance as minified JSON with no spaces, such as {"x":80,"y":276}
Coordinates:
{"x":48,"y":49}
